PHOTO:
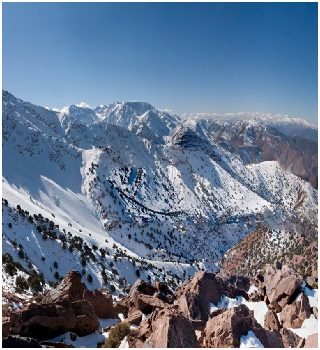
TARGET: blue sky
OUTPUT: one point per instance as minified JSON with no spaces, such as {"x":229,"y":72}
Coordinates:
{"x":187,"y":57}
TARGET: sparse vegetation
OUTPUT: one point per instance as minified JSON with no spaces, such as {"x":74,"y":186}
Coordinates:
{"x":117,"y":333}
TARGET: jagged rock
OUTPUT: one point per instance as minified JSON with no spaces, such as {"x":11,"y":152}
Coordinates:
{"x":293,"y":315}
{"x":70,"y":288}
{"x":274,"y":338}
{"x":162,"y":288}
{"x":15,"y":341}
{"x":190,"y":304}
{"x":271,"y":321}
{"x":234,"y":285}
{"x":312,"y":341}
{"x":290,"y":339}
{"x":142,"y":287}
{"x":281,"y":285}
{"x":134,"y":317}
{"x":315,"y":311}
{"x":197,"y":294}
{"x":226,"y":329}
{"x":167,"y":328}
{"x":147,"y":303}
{"x":101,"y":302}
{"x":217,"y":312}
{"x":45,"y":321}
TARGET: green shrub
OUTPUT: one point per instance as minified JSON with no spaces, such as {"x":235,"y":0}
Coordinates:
{"x":10,"y":268}
{"x":21,"y":282}
{"x":117,"y":333}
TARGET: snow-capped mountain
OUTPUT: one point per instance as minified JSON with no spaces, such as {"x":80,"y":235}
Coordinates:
{"x":126,"y":187}
{"x":283,"y":123}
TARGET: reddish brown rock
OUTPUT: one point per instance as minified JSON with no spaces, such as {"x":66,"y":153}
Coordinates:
{"x":281,"y":283}
{"x":226,"y":329}
{"x":101,"y":302}
{"x":197,"y":294}
{"x":45,"y":321}
{"x":134,"y":317}
{"x":289,"y":338}
{"x":293,"y":315}
{"x":271,"y":321}
{"x":70,"y":288}
{"x":167,"y":328}
{"x":146,"y":303}
{"x":274,"y":338}
{"x":312,"y":341}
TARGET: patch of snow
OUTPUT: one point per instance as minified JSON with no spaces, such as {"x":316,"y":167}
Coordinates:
{"x":83,"y":105}
{"x":121,"y":316}
{"x":124,"y":343}
{"x":252,"y":289}
{"x":250,"y":341}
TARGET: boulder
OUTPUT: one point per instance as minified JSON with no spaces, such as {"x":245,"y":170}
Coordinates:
{"x":289,"y":338}
{"x":197,"y":293}
{"x":225,"y":329}
{"x":282,"y":283}
{"x":15,"y":341}
{"x":70,"y":288}
{"x":271,"y":321}
{"x":312,"y":341}
{"x":45,"y":321}
{"x":134,"y":317}
{"x":167,"y":328}
{"x":101,"y":302}
{"x":274,"y":338}
{"x":146,"y":303}
{"x":293,"y":315}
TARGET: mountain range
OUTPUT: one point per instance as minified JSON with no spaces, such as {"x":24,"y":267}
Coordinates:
{"x":128,"y":190}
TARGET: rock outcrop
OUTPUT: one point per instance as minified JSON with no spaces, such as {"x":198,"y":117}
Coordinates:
{"x":271,"y":321}
{"x":45,"y":321}
{"x":101,"y":300}
{"x":226,"y":329}
{"x":293,"y":315}
{"x":71,"y":288}
{"x":167,"y":328}
{"x":197,"y":293}
{"x":282,"y":284}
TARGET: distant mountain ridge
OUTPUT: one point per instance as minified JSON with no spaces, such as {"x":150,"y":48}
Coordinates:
{"x":285,"y":124}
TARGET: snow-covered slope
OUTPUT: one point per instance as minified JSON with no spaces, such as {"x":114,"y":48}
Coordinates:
{"x":128,"y":187}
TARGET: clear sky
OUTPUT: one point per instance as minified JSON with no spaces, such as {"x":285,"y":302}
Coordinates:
{"x":187,"y":57}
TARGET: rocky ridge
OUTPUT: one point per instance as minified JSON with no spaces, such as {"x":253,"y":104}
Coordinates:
{"x":161,"y":318}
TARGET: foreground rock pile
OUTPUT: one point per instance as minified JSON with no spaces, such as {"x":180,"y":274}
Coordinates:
{"x":164,"y":319}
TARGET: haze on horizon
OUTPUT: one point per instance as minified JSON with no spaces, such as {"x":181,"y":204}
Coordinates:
{"x":186,"y":57}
